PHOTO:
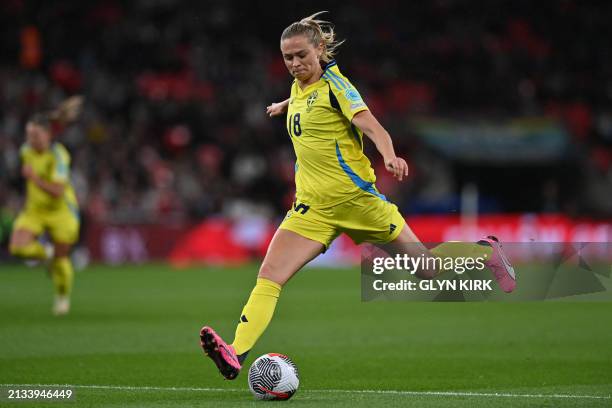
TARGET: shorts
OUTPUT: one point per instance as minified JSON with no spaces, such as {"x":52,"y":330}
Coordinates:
{"x":365,"y":218}
{"x":62,"y":226}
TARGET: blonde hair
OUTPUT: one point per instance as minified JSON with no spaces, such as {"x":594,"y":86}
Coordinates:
{"x":317,"y":32}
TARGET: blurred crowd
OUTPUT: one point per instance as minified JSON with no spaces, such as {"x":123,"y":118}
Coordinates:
{"x":174,"y":124}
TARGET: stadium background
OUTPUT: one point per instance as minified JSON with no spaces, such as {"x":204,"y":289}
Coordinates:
{"x":503,"y":110}
{"x":509,"y":99}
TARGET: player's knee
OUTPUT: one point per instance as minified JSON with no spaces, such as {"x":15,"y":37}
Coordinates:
{"x":61,"y":250}
{"x":269,"y":272}
{"x":19,"y":239}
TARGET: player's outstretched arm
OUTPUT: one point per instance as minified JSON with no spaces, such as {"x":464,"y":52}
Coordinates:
{"x":49,"y":187}
{"x":69,"y":110}
{"x":277,"y":108}
{"x":370,"y":126}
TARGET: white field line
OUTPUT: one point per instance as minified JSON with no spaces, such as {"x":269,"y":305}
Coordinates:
{"x":314,"y":391}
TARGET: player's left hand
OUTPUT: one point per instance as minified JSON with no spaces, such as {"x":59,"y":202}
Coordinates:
{"x":398,"y":167}
{"x":276,"y":109}
{"x":27,"y":171}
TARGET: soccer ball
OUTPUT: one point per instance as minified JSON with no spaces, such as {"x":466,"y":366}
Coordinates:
{"x":273,"y":376}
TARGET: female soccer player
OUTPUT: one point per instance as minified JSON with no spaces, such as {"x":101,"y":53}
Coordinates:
{"x":50,"y":204}
{"x":335,"y":192}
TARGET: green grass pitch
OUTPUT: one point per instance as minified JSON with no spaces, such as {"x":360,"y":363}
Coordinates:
{"x":132,"y":341}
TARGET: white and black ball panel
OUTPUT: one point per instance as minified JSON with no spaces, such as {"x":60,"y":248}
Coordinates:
{"x":291,"y":363}
{"x":264,"y":374}
{"x":273,"y":377}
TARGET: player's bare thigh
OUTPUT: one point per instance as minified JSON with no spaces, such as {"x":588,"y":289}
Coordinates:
{"x":287,"y":253}
{"x":408,"y":243}
{"x":61,"y":249}
{"x":21,"y":237}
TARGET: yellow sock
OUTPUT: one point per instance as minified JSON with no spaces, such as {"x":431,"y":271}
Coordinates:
{"x":63,"y":275}
{"x":461,"y":249}
{"x":33,"y":250}
{"x":256,"y":315}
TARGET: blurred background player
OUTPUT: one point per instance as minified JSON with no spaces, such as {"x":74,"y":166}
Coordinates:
{"x":50,"y":205}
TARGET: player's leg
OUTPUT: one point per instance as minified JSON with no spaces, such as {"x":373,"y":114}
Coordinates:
{"x":287,"y":253}
{"x":62,"y":274}
{"x":63,"y":228}
{"x":488,"y":249}
{"x":23,"y":242}
{"x":302,"y":236}
{"x":408,"y":243}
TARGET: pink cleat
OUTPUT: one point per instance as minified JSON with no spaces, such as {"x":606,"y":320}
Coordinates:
{"x":222,"y":354}
{"x":499,"y":265}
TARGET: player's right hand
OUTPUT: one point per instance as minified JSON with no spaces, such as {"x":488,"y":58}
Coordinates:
{"x":276,"y":109}
{"x":398,"y":167}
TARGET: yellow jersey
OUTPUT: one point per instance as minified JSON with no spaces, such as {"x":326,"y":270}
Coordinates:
{"x":52,"y":165}
{"x":331,"y":167}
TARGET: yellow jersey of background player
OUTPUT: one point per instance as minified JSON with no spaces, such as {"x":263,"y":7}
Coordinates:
{"x":50,"y":204}
{"x":52,"y":165}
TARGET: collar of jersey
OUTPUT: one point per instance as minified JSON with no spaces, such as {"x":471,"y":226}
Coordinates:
{"x":330,"y":64}
{"x":325,"y":68}
{"x":309,"y":87}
